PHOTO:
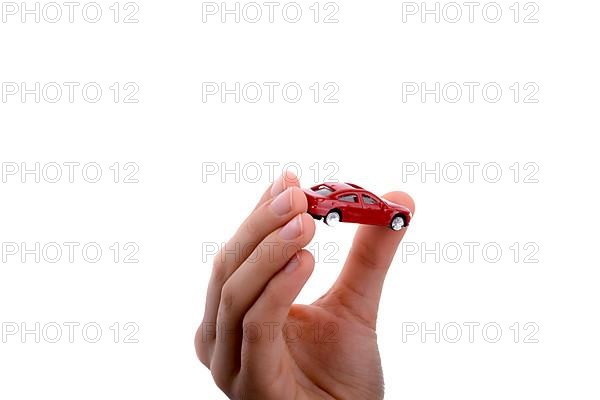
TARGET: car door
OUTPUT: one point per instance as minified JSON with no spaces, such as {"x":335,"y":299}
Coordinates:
{"x":372,"y":209}
{"x":350,"y":207}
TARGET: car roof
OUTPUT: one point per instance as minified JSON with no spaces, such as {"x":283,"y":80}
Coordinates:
{"x":342,"y":187}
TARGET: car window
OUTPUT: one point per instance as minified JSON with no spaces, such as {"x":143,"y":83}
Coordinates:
{"x":350,"y":198}
{"x":323,"y":190}
{"x":368,"y":199}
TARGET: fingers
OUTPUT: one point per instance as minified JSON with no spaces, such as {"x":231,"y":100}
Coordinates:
{"x":246,"y":285}
{"x":360,"y":283}
{"x":286,"y":180}
{"x":264,"y":320}
{"x":278,"y":204}
{"x":282,"y":201}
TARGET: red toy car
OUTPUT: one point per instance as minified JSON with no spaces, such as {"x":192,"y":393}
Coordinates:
{"x":346,"y":202}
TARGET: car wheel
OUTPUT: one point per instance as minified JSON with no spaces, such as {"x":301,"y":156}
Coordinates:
{"x":397,"y":223}
{"x":333,"y":218}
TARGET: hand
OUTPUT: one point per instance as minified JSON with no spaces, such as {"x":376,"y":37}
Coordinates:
{"x":258,"y":344}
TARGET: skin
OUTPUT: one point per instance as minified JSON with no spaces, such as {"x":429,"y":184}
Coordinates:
{"x":258,"y":344}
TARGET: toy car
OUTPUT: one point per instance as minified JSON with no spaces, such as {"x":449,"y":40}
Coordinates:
{"x":345,"y":202}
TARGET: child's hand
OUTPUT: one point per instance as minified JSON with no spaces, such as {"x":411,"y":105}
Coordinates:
{"x":257,"y":344}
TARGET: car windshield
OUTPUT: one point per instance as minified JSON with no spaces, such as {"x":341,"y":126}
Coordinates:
{"x":323,"y":190}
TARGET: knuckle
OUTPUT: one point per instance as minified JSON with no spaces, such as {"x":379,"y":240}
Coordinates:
{"x":268,"y":299}
{"x":251,"y":318}
{"x":202,"y":351}
{"x":204,"y":342}
{"x":219,"y":270}
{"x":252,"y":227}
{"x":227,"y":298}
{"x":221,"y":379}
{"x":265,"y":306}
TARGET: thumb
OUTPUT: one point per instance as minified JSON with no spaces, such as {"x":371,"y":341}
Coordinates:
{"x":361,"y":281}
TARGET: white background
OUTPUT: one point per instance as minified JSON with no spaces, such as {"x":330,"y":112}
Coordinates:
{"x":370,"y":136}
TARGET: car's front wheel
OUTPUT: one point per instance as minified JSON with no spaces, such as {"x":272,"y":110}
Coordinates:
{"x":333,"y":218}
{"x":397,"y":223}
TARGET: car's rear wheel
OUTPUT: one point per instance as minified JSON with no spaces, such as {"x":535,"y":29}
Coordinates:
{"x":397,"y":223}
{"x":333,"y":218}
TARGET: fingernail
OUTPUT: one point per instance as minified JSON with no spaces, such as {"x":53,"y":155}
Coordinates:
{"x":292,"y":264}
{"x":292,"y":230}
{"x":278,"y":186}
{"x":282,"y":203}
